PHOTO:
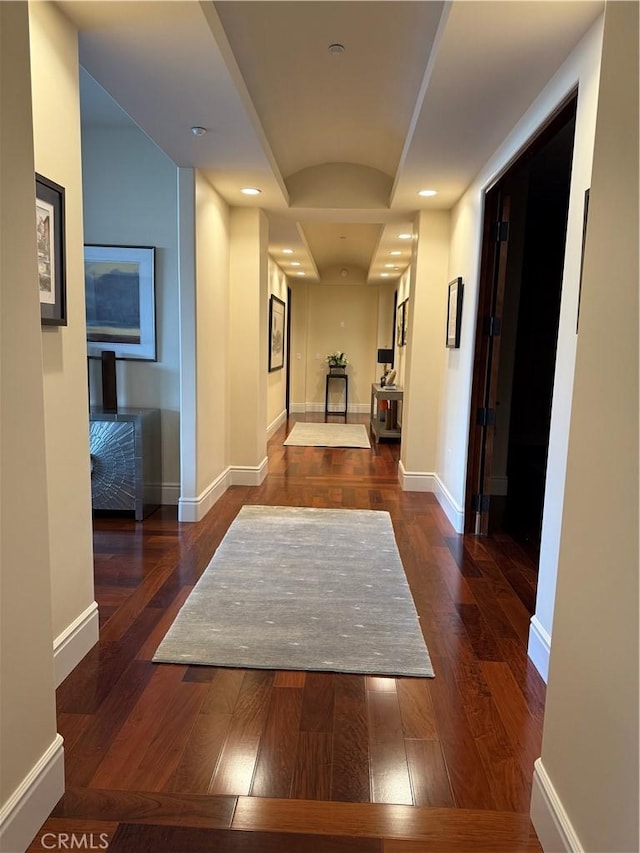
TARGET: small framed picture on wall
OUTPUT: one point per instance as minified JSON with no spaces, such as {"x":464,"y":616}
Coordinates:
{"x":50,"y":240}
{"x":454,"y":313}
{"x":276,"y":333}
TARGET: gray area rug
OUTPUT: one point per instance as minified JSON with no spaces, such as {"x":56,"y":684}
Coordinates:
{"x":302,"y":589}
{"x":328,"y":435}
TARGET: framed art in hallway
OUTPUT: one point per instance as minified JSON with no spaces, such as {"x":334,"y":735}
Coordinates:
{"x":50,"y":241}
{"x":276,"y":333}
{"x":454,"y":313}
{"x":405,"y":322}
{"x":119,"y":286}
{"x":401,"y":324}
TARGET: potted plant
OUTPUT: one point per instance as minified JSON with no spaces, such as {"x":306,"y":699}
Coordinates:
{"x":337,"y":362}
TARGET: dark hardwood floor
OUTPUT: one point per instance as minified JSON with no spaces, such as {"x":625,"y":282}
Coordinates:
{"x":187,"y":758}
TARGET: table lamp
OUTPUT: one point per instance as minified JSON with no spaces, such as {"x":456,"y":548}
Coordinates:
{"x":385,"y":356}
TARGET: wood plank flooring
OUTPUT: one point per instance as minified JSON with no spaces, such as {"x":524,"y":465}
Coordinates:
{"x":187,"y":758}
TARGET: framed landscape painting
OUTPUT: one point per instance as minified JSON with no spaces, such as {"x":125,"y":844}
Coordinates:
{"x":276,"y":333}
{"x":120,"y":297}
{"x":50,"y":241}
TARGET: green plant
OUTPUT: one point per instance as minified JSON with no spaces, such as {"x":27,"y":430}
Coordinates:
{"x":337,"y":359}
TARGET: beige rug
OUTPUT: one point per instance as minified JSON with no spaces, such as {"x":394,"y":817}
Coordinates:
{"x":328,"y":435}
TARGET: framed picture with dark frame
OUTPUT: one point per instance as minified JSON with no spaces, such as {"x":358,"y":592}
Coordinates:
{"x":400,"y":327}
{"x":454,"y":313}
{"x":119,"y":284}
{"x":276,"y":333}
{"x":405,"y":322}
{"x":50,"y":239}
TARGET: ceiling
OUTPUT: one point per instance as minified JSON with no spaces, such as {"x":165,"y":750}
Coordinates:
{"x":338,"y":142}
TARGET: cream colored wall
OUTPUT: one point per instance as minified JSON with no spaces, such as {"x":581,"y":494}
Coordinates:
{"x":248,"y":364}
{"x":386,"y":319}
{"x":590,"y":742}
{"x":56,"y":123}
{"x":277,"y":380}
{"x":299,"y":324}
{"x":345,"y":318}
{"x":424,"y":355}
{"x":125,"y":176}
{"x":404,"y":287}
{"x":212,"y":332}
{"x":27,"y":699}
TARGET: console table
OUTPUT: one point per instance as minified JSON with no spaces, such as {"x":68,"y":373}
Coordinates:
{"x":125,"y":460}
{"x":387,"y":428}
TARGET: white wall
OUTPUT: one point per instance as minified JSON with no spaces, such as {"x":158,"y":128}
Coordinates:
{"x":203,"y":226}
{"x":56,"y":124}
{"x":212,"y":334}
{"x":386,"y":319}
{"x":586,"y":783}
{"x":248,"y":336}
{"x":404,"y":290}
{"x":130,"y":199}
{"x":31,"y":751}
{"x":424,"y":354}
{"x":277,"y":380}
{"x":581,"y":68}
{"x":299,"y":308}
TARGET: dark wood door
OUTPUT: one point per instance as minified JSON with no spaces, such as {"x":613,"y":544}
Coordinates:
{"x":487,"y":359}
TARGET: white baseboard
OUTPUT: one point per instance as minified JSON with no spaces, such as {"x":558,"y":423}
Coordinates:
{"x":415,"y":481}
{"x":550,"y":820}
{"x":352,"y":408}
{"x":72,"y":644}
{"x":539,"y":647}
{"x":452,"y":509}
{"x":425,"y":481}
{"x":195,"y":509}
{"x":297,"y":408}
{"x":169,"y":494}
{"x":276,"y":423}
{"x":248,"y":475}
{"x":33,"y":800}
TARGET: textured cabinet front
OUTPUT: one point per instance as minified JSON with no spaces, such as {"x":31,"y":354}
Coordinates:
{"x":125,"y":460}
{"x":113,"y":468}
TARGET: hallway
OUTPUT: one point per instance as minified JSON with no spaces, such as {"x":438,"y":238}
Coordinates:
{"x":179,"y":758}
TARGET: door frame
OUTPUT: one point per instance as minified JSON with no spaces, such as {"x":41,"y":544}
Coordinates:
{"x":484,"y":373}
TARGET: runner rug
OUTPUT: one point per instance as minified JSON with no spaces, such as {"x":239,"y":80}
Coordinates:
{"x":302,"y":589}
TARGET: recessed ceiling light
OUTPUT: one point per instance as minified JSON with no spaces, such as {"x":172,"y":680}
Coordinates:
{"x":404,"y":236}
{"x":287,"y":251}
{"x":395,"y":252}
{"x":295,"y":264}
{"x":391,"y":266}
{"x":427,"y":193}
{"x":336,"y":48}
{"x":301,"y":273}
{"x":250,"y":191}
{"x":385,"y":274}
{"x":198,"y":131}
